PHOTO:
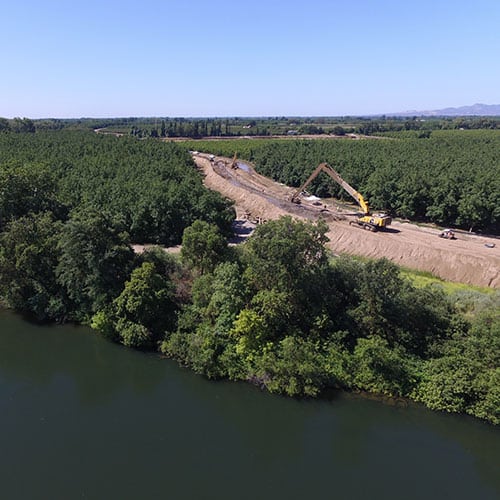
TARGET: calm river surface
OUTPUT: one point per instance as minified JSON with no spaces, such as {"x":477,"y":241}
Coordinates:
{"x":83,"y":418}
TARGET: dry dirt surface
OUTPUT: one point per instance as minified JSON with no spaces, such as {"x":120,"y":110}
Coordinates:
{"x":257,"y":199}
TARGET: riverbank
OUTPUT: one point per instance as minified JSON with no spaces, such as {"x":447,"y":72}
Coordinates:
{"x":83,"y":417}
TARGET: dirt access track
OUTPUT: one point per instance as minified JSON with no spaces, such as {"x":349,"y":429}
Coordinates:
{"x":466,"y":259}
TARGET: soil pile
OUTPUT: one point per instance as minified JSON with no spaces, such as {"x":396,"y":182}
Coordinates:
{"x":466,"y":259}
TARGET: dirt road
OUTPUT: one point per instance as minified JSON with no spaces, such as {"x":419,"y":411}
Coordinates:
{"x":465,"y":259}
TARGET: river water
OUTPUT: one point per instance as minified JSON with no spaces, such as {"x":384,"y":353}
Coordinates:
{"x":83,"y":418}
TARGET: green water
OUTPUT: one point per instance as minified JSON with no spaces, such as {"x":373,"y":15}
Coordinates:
{"x":83,"y":418}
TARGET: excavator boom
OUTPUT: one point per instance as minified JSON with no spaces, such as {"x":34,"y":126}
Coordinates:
{"x":324,"y":167}
{"x":367,"y":221}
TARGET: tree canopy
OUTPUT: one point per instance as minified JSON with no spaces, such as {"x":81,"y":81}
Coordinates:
{"x":279,"y":311}
{"x":151,"y":186}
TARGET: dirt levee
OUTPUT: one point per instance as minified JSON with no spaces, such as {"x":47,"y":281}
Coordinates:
{"x":466,"y":259}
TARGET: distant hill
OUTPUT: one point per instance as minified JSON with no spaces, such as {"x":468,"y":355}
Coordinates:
{"x":474,"y":110}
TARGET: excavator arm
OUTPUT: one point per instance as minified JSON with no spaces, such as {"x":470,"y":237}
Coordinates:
{"x":234,"y":161}
{"x":372,"y":222}
{"x":295,"y":197}
{"x":324,"y":167}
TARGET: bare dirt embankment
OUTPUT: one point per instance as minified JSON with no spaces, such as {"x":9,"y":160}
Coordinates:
{"x":465,"y":260}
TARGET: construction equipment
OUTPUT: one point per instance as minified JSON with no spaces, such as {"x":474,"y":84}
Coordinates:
{"x":257,"y":220}
{"x":448,"y":234}
{"x":372,"y":222}
{"x":234,"y":162}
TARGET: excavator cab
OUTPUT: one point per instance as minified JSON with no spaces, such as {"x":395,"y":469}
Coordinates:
{"x":373,"y":222}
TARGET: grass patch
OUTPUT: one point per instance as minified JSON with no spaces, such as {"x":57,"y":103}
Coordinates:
{"x":424,"y":278}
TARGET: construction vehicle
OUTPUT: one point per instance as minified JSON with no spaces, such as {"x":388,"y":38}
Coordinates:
{"x":372,"y":222}
{"x":448,"y":234}
{"x":257,"y":220}
{"x":234,"y":162}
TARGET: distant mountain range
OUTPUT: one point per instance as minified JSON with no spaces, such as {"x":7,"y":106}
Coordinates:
{"x":474,"y":110}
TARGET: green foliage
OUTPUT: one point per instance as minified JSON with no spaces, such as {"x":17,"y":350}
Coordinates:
{"x":114,"y":188}
{"x":28,"y":258}
{"x":422,"y":278}
{"x":276,"y":312}
{"x":286,"y":268}
{"x":202,"y":340}
{"x":153,"y":187}
{"x":266,"y":320}
{"x":17,"y":125}
{"x":388,"y":306}
{"x":338,"y":362}
{"x":287,"y":319}
{"x":28,"y":188}
{"x":295,"y":367}
{"x":143,"y":312}
{"x":472,"y":302}
{"x":104,"y":322}
{"x":379,"y":368}
{"x":202,"y":350}
{"x":465,"y":376}
{"x":164,"y":263}
{"x":133,"y":334}
{"x":379,"y":287}
{"x":264,"y":126}
{"x":147,"y":299}
{"x":284,"y":253}
{"x":203,"y":246}
{"x":227,"y":297}
{"x":95,"y":260}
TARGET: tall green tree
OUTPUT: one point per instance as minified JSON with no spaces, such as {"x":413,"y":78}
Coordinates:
{"x":285,"y":253}
{"x":95,"y":260}
{"x":23,"y":125}
{"x":203,"y":246}
{"x":25,"y":188}
{"x":28,"y":258}
{"x":464,"y":375}
{"x":203,"y":339}
{"x":145,"y":309}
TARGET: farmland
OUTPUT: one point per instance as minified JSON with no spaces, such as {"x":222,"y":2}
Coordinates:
{"x":278,"y":311}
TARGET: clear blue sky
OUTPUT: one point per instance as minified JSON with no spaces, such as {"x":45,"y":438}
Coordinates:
{"x":111,"y":58}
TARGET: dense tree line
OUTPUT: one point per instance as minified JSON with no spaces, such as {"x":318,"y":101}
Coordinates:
{"x":17,"y":125}
{"x":71,"y":203}
{"x":449,"y":178}
{"x":278,"y":312}
{"x":153,"y":188}
{"x":242,"y":126}
{"x":234,"y":127}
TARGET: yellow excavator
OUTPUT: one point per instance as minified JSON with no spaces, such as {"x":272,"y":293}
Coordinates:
{"x":372,"y":222}
{"x":234,"y":161}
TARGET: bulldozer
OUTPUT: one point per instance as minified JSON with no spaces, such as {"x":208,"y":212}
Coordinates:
{"x":369,"y":221}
